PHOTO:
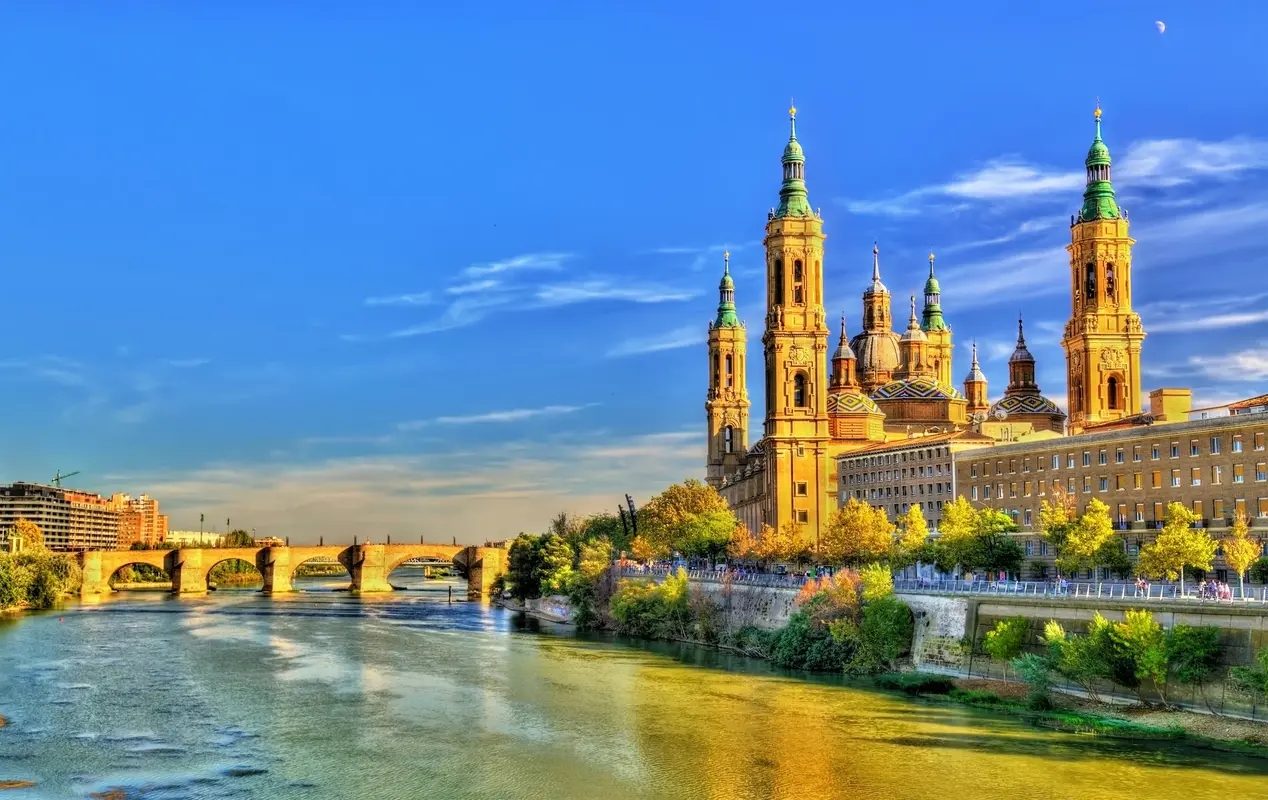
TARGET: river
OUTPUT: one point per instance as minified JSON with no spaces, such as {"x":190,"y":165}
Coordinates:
{"x":323,"y":695}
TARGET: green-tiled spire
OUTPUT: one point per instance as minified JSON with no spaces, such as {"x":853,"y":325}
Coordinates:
{"x":931,"y":318}
{"x":726,"y":297}
{"x":793,"y":201}
{"x":1098,"y":198}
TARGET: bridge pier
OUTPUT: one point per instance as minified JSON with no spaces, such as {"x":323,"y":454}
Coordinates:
{"x":274,"y":564}
{"x":94,"y":582}
{"x":369,"y":569}
{"x":188,"y":575}
{"x":484,"y":566}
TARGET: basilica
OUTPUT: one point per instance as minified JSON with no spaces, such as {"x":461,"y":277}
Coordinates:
{"x":885,"y":388}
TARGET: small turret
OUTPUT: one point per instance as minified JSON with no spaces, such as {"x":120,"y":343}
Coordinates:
{"x":843,"y":362}
{"x":726,"y":297}
{"x":975,"y":387}
{"x":793,"y":201}
{"x":1098,"y":197}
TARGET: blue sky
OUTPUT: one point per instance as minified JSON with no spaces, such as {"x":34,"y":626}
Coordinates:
{"x":365,"y":268}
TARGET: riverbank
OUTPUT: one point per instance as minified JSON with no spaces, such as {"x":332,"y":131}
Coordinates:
{"x":1074,"y":714}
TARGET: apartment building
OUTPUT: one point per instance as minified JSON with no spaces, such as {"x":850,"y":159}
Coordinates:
{"x":69,"y":519}
{"x":139,"y":520}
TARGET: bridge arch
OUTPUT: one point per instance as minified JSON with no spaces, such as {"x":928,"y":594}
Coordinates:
{"x":306,"y":555}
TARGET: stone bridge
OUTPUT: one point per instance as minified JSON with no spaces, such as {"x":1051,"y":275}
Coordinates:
{"x":368,"y":564}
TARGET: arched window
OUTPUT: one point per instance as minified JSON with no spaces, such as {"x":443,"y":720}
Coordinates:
{"x":1109,"y":281}
{"x":798,"y":284}
{"x":1112,"y":393}
{"x":716,"y":377}
{"x":1090,"y":290}
{"x":730,"y":372}
{"x":779,"y":282}
{"x":799,"y":390}
{"x":728,"y":440}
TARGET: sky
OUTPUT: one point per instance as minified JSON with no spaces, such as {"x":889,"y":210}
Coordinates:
{"x":335,"y":269}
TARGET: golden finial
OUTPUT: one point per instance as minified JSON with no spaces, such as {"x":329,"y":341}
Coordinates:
{"x":726,"y":255}
{"x":1097,"y":112}
{"x":792,"y":109}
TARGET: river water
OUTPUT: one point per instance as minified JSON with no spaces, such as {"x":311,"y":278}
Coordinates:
{"x":323,"y":695}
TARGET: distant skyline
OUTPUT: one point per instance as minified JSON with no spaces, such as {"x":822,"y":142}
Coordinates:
{"x":362,"y":269}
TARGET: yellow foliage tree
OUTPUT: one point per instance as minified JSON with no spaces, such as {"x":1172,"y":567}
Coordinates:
{"x":957,"y":532}
{"x":1240,"y":551}
{"x":792,"y":542}
{"x":664,"y":518}
{"x":1056,"y":520}
{"x":1179,"y":545}
{"x":30,"y":533}
{"x":742,"y":544}
{"x":913,"y":532}
{"x":1085,"y":537}
{"x":643,"y":550}
{"x":856,"y":533}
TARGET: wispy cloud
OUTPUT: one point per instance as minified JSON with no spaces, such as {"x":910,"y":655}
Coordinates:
{"x":187,"y":363}
{"x":513,"y":415}
{"x":1203,"y":314}
{"x":1027,"y":273}
{"x":415,"y":299}
{"x":710,"y":255}
{"x":474,"y":286}
{"x":1151,"y":162}
{"x":606,"y":289}
{"x":1250,"y":364}
{"x":1024,"y":229}
{"x":687,"y":336}
{"x":529,"y":261}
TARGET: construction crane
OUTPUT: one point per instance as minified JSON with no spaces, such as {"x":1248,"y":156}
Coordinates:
{"x":59,"y":477}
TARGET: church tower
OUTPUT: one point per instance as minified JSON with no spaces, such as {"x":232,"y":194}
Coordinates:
{"x":726,"y":406}
{"x":914,"y":349}
{"x":1103,"y":337}
{"x":852,"y":415}
{"x":936,"y":329}
{"x":795,"y":346}
{"x":975,"y":387}
{"x":876,"y":348}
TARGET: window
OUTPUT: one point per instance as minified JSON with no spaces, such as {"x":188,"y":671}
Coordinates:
{"x":1261,"y":471}
{"x":1112,"y":398}
{"x":803,"y":516}
{"x":1217,"y":509}
{"x":1239,"y":473}
{"x":1012,"y":490}
{"x":799,"y":391}
{"x":1043,"y":548}
{"x":1195,"y":477}
{"x":1263,"y":506}
{"x":1194,"y":450}
{"x":1136,"y":476}
{"x":1104,"y":484}
{"x":1154,"y":453}
{"x":1175,"y":477}
{"x":1157,"y":479}
{"x":1118,"y":456}
{"x":1056,"y":462}
{"x":1030,"y":547}
{"x":1069,"y":485}
{"x":1026,"y":489}
{"x":1159,"y":514}
{"x":1140,"y":512}
{"x":1025,"y":465}
{"x":1026,"y":518}
{"x":973,"y":471}
{"x":1087,"y":459}
{"x":779,"y":282}
{"x":986,"y":492}
{"x":1217,"y":476}
{"x":1239,"y":507}
{"x":801,"y":489}
{"x":1118,"y":482}
{"x":1175,"y":449}
{"x":1215,"y":445}
{"x":1012,"y":466}
{"x":1101,"y":459}
{"x":728,"y":440}
{"x":1259,"y":441}
{"x":1087,"y":485}
{"x":1136,"y":453}
{"x":1237,"y":443}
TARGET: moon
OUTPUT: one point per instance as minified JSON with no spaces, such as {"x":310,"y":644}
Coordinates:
{"x":1161,"y":26}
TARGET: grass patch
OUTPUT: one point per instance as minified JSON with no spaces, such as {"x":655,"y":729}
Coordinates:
{"x":976,"y":697}
{"x":1108,"y":726}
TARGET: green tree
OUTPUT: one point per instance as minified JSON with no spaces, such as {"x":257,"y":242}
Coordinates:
{"x":993,"y":547}
{"x":606,"y":525}
{"x":1081,"y":659}
{"x":1056,"y":520}
{"x":665,"y":518}
{"x":567,"y":526}
{"x":1085,"y":537}
{"x":877,"y":580}
{"x":1259,"y":570}
{"x":956,"y":536}
{"x":1253,"y":679}
{"x":1240,"y":551}
{"x":1113,"y":556}
{"x":524,"y":567}
{"x":1192,"y":655}
{"x":1138,"y":645}
{"x":1179,"y":545}
{"x":856,"y":533}
{"x":237,"y":538}
{"x":707,"y":535}
{"x":556,"y":558}
{"x":1005,"y":641}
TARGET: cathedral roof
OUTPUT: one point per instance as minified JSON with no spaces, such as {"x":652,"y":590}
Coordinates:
{"x":876,"y":351}
{"x":1028,"y":404}
{"x":843,"y":351}
{"x":913,"y":332}
{"x":852,"y":404}
{"x":931,"y":318}
{"x":876,"y":287}
{"x":918,"y":388}
{"x":1021,"y":354}
{"x":975,"y":372}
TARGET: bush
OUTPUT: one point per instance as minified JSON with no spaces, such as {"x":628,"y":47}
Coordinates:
{"x":804,"y":644}
{"x":36,"y":578}
{"x":1004,"y":642}
{"x":650,"y":609}
{"x":1259,"y":570}
{"x":976,"y":697}
{"x":883,"y":637}
{"x":1036,"y":671}
{"x":914,"y":683}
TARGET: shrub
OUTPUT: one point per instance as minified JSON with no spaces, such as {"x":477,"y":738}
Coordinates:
{"x":883,"y":637}
{"x":803,"y":644}
{"x":975,"y":697}
{"x":1192,"y":654}
{"x":650,"y":609}
{"x":1004,"y":642}
{"x":36,"y":578}
{"x":1036,"y":671}
{"x":915,"y":683}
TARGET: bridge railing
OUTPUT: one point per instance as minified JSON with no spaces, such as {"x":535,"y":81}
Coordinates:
{"x":1104,"y":590}
{"x":713,"y":576}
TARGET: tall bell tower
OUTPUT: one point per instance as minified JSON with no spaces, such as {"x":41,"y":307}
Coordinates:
{"x":795,"y":347}
{"x":1103,"y":337}
{"x":726,"y":406}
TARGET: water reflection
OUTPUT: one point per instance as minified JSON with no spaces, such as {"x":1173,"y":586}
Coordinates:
{"x":321,"y":694}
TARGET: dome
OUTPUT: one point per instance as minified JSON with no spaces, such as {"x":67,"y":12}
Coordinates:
{"x":792,"y":151}
{"x":726,"y":283}
{"x":921,"y":388}
{"x":852,"y":404}
{"x":843,"y":351}
{"x":876,"y":287}
{"x":914,"y":335}
{"x":1028,"y":404}
{"x":932,"y":286}
{"x":1021,"y":355}
{"x":876,"y":351}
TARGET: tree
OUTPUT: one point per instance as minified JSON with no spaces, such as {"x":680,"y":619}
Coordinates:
{"x":1138,"y":649}
{"x":706,"y":535}
{"x":567,"y":526}
{"x":792,"y":542}
{"x":661,"y":519}
{"x":1179,"y":545}
{"x":30,"y":533}
{"x":877,"y":581}
{"x":956,"y":535}
{"x":741,"y":543}
{"x":1192,"y":653}
{"x":993,"y":547}
{"x":556,"y":557}
{"x":1113,"y":556}
{"x":1056,"y":519}
{"x":856,"y":533}
{"x":643,"y":550}
{"x":1005,"y":641}
{"x":1240,"y":551}
{"x":523,"y":571}
{"x":1085,"y":537}
{"x":605,"y":525}
{"x":237,"y":538}
{"x":913,"y":534}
